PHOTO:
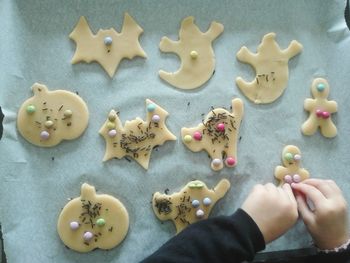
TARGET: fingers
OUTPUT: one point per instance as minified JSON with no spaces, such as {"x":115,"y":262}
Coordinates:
{"x":287,"y":189}
{"x":303,"y":209}
{"x":310,"y":191}
{"x":327,"y":187}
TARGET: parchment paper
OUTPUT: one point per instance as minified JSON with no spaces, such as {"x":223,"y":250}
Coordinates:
{"x":36,"y":182}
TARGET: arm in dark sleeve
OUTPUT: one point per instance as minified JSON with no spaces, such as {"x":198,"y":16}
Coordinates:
{"x":221,"y":239}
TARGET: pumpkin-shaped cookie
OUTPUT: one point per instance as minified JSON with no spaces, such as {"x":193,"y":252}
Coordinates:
{"x":49,"y":117}
{"x":93,"y":221}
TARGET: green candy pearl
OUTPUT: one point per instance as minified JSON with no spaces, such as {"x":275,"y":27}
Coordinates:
{"x":288,"y":156}
{"x":100,"y":222}
{"x":30,"y":109}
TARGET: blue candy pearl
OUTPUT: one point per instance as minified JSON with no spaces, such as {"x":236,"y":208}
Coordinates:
{"x":207,"y":201}
{"x":195,"y":203}
{"x":151,"y":107}
{"x":320,"y":87}
{"x":108,"y":41}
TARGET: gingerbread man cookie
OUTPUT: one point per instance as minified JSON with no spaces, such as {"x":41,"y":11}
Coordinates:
{"x":137,"y":138}
{"x":196,"y":53}
{"x":217,"y":134}
{"x":193,"y":203}
{"x":49,"y":117}
{"x":320,"y":110}
{"x":93,"y":221}
{"x":107,"y":47}
{"x":271,"y":66}
{"x":291,"y":172}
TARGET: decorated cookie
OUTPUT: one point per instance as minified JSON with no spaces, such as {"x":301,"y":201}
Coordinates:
{"x":107,"y":47}
{"x":271,"y":66}
{"x":137,"y":138}
{"x":196,"y":53}
{"x":217,"y":134}
{"x":291,"y":172}
{"x":193,"y":203}
{"x":93,"y":221}
{"x":49,"y":117}
{"x":320,"y":109}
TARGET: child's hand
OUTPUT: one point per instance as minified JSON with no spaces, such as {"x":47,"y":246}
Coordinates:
{"x":274,"y":209}
{"x":327,"y":221}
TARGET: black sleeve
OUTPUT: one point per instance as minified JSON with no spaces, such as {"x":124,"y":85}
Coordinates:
{"x":220,"y":239}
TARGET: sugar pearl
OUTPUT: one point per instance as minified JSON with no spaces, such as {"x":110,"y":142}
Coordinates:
{"x":197,"y":136}
{"x":216,"y":162}
{"x":207,"y":201}
{"x":297,"y":157}
{"x":187,"y":138}
{"x":325,"y":115}
{"x":151,"y":107}
{"x":296,"y":178}
{"x":288,"y":156}
{"x":48,"y":124}
{"x":74,"y":225}
{"x":319,"y":113}
{"x":288,"y":179}
{"x":88,"y":236}
{"x":112,"y":133}
{"x":44,"y":135}
{"x":155,"y":118}
{"x":195,"y":203}
{"x":220,"y":127}
{"x":100,"y":222}
{"x":110,"y":125}
{"x":108,"y":41}
{"x":30,"y":109}
{"x":199,"y":213}
{"x":230,"y":161}
{"x":68,"y":113}
{"x":194,"y":54}
{"x":320,"y":87}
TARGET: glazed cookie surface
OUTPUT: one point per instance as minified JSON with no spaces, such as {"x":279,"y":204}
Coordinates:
{"x":196,"y":53}
{"x":193,"y":203}
{"x":49,"y":117}
{"x":108,"y":47}
{"x":320,"y":109}
{"x":291,"y":171}
{"x":136,"y":138}
{"x":217,"y":134}
{"x":271,"y":66}
{"x":92,"y":221}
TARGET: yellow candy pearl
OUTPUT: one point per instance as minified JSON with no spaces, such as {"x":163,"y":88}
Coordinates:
{"x":187,"y":138}
{"x":194,"y":54}
{"x":110,"y":125}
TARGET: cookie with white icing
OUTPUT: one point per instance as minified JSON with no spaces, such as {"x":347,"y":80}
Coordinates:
{"x":49,"y":117}
{"x":194,"y":48}
{"x":217,"y":134}
{"x":271,"y":66}
{"x":108,"y":47}
{"x":291,"y":171}
{"x":136,"y":138}
{"x":92,"y":221}
{"x":321,"y":110}
{"x":193,"y":203}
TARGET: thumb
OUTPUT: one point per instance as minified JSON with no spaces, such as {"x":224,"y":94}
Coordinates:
{"x":303,"y":209}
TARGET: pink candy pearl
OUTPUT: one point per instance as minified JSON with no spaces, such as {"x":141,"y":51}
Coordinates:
{"x":197,"y":136}
{"x":296,"y":178}
{"x":88,"y":236}
{"x":318,"y":113}
{"x":44,"y":135}
{"x":230,"y":161}
{"x":112,"y":133}
{"x":325,"y":115}
{"x":288,"y":179}
{"x":155,"y":118}
{"x":74,"y":225}
{"x":220,"y":127}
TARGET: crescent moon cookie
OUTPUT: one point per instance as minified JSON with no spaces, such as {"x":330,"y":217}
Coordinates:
{"x":271,"y":66}
{"x":108,"y":47}
{"x":193,"y":203}
{"x":217,"y":134}
{"x":93,"y":221}
{"x":196,"y":53}
{"x":49,"y":117}
{"x":291,"y":172}
{"x":320,"y":110}
{"x":137,"y":138}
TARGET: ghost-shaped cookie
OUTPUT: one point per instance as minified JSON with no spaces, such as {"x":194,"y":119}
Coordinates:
{"x":320,"y":109}
{"x":291,"y":171}
{"x":49,"y":117}
{"x":271,"y":66}
{"x":196,"y":53}
{"x":217,"y":134}
{"x":193,"y":203}
{"x":108,"y":47}
{"x":138,"y":137}
{"x":92,"y":221}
